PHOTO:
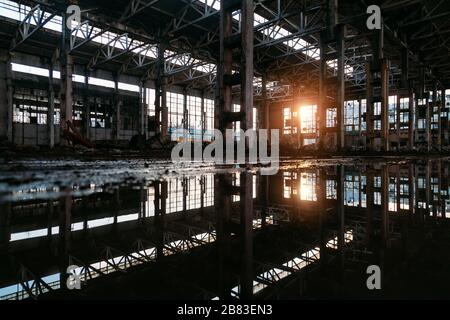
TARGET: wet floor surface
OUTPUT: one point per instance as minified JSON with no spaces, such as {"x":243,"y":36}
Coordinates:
{"x":150,"y":230}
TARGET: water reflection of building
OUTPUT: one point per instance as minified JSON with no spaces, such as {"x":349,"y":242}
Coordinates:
{"x":302,"y":219}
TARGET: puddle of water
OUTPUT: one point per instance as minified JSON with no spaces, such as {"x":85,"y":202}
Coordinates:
{"x":206,"y":232}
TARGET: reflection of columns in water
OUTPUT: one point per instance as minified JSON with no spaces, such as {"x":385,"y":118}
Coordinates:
{"x":427,"y":187}
{"x":160,"y":210}
{"x":246,"y":211}
{"x":117,"y":204}
{"x":5,"y":224}
{"x":184,"y":184}
{"x":50,"y":212}
{"x":65,"y":221}
{"x":202,"y":191}
{"x":440,"y":188}
{"x":263,"y":197}
{"x":341,"y":213}
{"x":370,"y":203}
{"x":222,"y":204}
{"x":385,"y":205}
{"x":411,"y":189}
{"x":321,"y":207}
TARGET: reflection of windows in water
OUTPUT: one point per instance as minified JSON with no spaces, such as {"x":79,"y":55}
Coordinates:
{"x":377,"y":198}
{"x":175,"y":195}
{"x":150,"y":203}
{"x":377,"y":182}
{"x":209,"y":190}
{"x":351,"y":191}
{"x":331,"y":193}
{"x":194,"y":194}
{"x":308,"y":183}
{"x":393,"y":194}
{"x":288,"y":184}
{"x":447,"y":208}
{"x":237,"y":182}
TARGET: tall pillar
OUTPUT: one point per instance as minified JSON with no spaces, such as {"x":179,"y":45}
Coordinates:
{"x":66,"y":65}
{"x":443,"y":129}
{"x":164,"y":111}
{"x":369,"y":109}
{"x":322,"y":104}
{"x":411,"y":118}
{"x":143,"y":111}
{"x":118,"y":104}
{"x":439,"y":111}
{"x":341,"y":86}
{"x":203,"y":116}
{"x":86,"y":104}
{"x":6,"y":95}
{"x":385,"y":105}
{"x":161,"y":109}
{"x":185,"y":112}
{"x":51,"y":109}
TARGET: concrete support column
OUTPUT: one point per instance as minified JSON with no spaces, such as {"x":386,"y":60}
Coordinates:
{"x":341,"y":86}
{"x":247,"y":22}
{"x":444,"y":129}
{"x":86,"y":105}
{"x":264,"y":110}
{"x":203,"y":115}
{"x":118,"y":104}
{"x":385,"y":105}
{"x":185,"y":111}
{"x":143,"y":111}
{"x":6,"y":99}
{"x":161,"y":109}
{"x":322,"y":101}
{"x":66,"y":65}
{"x":438,"y":104}
{"x":164,"y":112}
{"x":397,"y":120}
{"x":51,"y":109}
{"x":369,"y":109}
{"x":411,"y":119}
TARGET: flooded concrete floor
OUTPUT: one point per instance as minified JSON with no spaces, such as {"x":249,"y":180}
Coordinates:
{"x":152,"y":230}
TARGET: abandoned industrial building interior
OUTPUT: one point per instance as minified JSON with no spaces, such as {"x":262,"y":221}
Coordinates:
{"x":354,"y":98}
